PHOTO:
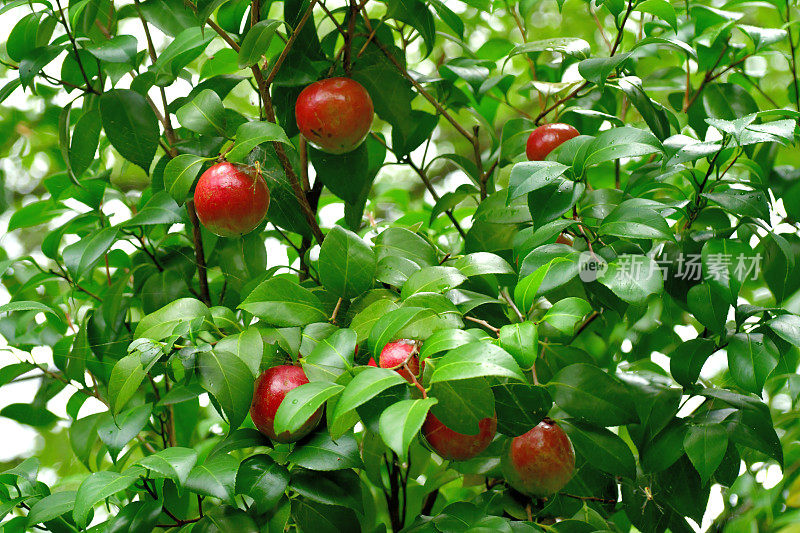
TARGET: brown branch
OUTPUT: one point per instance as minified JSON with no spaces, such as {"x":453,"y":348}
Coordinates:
{"x":483,"y":323}
{"x":482,"y":176}
{"x":428,"y":185}
{"x":588,"y":498}
{"x":348,"y":38}
{"x":289,"y":44}
{"x":460,"y":129}
{"x":557,"y":103}
{"x":585,"y":325}
{"x":75,"y":48}
{"x":198,"y":253}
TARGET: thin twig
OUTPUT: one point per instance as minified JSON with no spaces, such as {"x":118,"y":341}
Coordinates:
{"x":483,"y":323}
{"x":198,"y":253}
{"x":75,"y":48}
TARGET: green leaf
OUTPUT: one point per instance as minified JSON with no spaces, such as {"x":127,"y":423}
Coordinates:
{"x":251,"y":134}
{"x":565,"y":314}
{"x":180,"y":175}
{"x":118,"y":49}
{"x":126,"y":376}
{"x":256,"y":42}
{"x":633,"y":278}
{"x":751,"y":358}
{"x":204,"y":114}
{"x":587,"y":392}
{"x":182,"y":50}
{"x":216,"y":477}
{"x":521,"y":341}
{"x":331,"y":357}
{"x":347,"y":265}
{"x":405,"y":243}
{"x":80,"y":258}
{"x":482,"y":263}
{"x":741,"y":202}
{"x":389,"y":325}
{"x":282,"y":303}
{"x":520,"y":407}
{"x":97,"y":487}
{"x":117,"y":432}
{"x":568,"y":46}
{"x":174,"y":463}
{"x":462,"y":404}
{"x":364,"y":386}
{"x":686,"y":362}
{"x":661,"y":9}
{"x":476,"y":359}
{"x":622,"y":142}
{"x":161,"y":323}
{"x":302,"y":402}
{"x":416,"y":14}
{"x":159,"y":209}
{"x":322,"y":453}
{"x":705,"y":446}
{"x":631,"y":220}
{"x":229,"y":380}
{"x":533,"y":175}
{"x":83,"y":145}
{"x":26,"y":306}
{"x":787,"y":327}
{"x":321,"y":518}
{"x":130,"y":125}
{"x":433,"y":279}
{"x":247,"y":346}
{"x":401,"y":422}
{"x":708,"y":307}
{"x":444,"y":340}
{"x":601,"y":448}
{"x":261,"y":478}
{"x":51,"y":507}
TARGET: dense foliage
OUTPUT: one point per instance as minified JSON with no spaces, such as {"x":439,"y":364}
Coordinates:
{"x":660,"y":332}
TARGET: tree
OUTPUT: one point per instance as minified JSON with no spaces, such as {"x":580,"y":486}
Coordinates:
{"x":637,"y":288}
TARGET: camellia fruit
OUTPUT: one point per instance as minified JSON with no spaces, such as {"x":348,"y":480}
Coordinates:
{"x":540,"y":462}
{"x":335,"y":114}
{"x":231,"y":200}
{"x":271,"y":388}
{"x":398,"y":353}
{"x":456,"y":446}
{"x":547,"y":138}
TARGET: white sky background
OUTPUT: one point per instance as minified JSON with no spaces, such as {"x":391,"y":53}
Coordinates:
{"x":21,"y":441}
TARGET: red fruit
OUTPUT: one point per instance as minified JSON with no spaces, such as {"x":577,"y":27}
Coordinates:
{"x":398,"y":353}
{"x":271,"y":388}
{"x":231,"y":200}
{"x":457,"y":446}
{"x":335,"y":114}
{"x":545,"y":139}
{"x":540,"y":462}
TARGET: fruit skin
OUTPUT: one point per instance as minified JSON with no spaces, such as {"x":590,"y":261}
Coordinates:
{"x":271,"y":388}
{"x":334,"y":114}
{"x":231,"y":200}
{"x":397,"y":353}
{"x":546,"y":138}
{"x":456,"y":446}
{"x":540,"y":462}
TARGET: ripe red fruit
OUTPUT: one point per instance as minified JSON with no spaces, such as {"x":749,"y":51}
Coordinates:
{"x":545,"y":139}
{"x":271,"y":388}
{"x":395,"y":354}
{"x":456,"y":446}
{"x":335,"y":114}
{"x":540,"y":462}
{"x":231,"y":200}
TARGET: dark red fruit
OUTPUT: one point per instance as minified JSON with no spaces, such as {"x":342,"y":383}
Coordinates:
{"x":397,"y":354}
{"x":540,"y":462}
{"x":545,"y":139}
{"x":456,"y":446}
{"x":335,"y":114}
{"x":271,"y":388}
{"x":231,"y":200}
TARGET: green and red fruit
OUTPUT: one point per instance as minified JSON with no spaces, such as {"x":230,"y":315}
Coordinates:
{"x":540,"y":462}
{"x":456,"y":446}
{"x":271,"y":388}
{"x":547,"y":138}
{"x":335,"y":114}
{"x":231,"y":200}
